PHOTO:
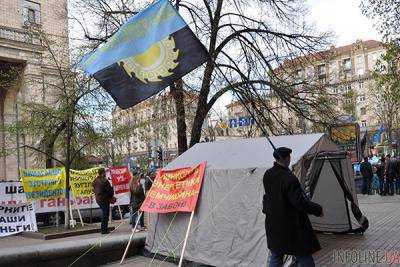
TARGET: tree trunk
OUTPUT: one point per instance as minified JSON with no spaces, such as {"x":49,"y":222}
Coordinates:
{"x":202,"y":106}
{"x":67,"y":169}
{"x":179,"y":99}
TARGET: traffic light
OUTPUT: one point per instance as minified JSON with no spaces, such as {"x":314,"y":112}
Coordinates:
{"x":160,"y":154}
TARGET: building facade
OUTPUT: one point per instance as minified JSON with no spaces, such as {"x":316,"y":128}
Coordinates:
{"x":346,"y":72}
{"x":150,"y":126}
{"x":24,"y":50}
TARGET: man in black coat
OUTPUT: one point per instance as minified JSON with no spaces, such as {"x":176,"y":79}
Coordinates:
{"x":367,"y":174}
{"x":288,"y":228}
{"x":391,"y":175}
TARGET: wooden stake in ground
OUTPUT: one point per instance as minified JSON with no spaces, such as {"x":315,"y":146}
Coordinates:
{"x":77,"y":209}
{"x":130,"y":238}
{"x":186,"y":238}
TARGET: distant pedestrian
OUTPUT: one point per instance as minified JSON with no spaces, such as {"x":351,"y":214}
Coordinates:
{"x":104,"y":194}
{"x":287,"y":226}
{"x":375,"y":182}
{"x":380,"y":171}
{"x":391,"y":173}
{"x":136,"y":200}
{"x":367,"y":174}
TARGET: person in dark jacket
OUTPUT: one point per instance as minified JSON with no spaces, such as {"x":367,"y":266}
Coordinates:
{"x":136,"y":200}
{"x":287,"y":226}
{"x":104,"y":194}
{"x":367,"y":174}
{"x":380,"y":171}
{"x":391,"y":174}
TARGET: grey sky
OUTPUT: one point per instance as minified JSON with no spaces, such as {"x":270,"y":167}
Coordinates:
{"x":344,"y":18}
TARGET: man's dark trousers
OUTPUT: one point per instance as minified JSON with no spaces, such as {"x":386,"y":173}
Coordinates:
{"x":276,"y":260}
{"x":105,"y":209}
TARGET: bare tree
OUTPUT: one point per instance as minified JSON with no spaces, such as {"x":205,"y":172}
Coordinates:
{"x":247,"y":42}
{"x":386,"y":89}
{"x":386,"y":15}
{"x":70,"y":120}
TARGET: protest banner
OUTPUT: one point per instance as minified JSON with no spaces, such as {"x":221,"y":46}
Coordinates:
{"x":120,"y":177}
{"x":17,"y":218}
{"x":12,"y":192}
{"x":82,"y":182}
{"x":58,"y":204}
{"x":43,"y":183}
{"x":175,"y":190}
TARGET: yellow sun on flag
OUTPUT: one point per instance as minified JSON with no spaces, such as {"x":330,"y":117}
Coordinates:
{"x":156,"y":62}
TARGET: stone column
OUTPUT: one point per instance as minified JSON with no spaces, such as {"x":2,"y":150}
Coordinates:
{"x":10,"y":139}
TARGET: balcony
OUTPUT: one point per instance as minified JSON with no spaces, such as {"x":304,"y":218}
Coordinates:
{"x":17,"y":35}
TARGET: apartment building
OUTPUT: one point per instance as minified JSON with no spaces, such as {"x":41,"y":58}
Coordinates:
{"x":151,"y":125}
{"x":23,"y":50}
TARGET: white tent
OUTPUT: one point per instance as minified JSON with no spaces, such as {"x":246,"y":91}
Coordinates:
{"x":228,"y":226}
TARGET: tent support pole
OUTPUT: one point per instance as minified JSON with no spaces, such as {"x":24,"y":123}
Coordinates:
{"x":186,"y":238}
{"x":130,"y":238}
{"x":347,"y":210}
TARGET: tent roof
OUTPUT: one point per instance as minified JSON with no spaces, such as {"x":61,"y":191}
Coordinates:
{"x":244,"y":153}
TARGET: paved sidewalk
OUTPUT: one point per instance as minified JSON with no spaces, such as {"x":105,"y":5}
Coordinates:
{"x":141,"y":261}
{"x":383,"y":235}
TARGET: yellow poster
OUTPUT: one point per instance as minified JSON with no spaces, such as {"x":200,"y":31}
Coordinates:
{"x":82,"y":182}
{"x":43,"y":183}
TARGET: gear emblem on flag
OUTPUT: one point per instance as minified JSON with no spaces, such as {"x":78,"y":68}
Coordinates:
{"x":156,"y":62}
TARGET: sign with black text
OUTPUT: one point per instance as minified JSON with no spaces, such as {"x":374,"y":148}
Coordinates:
{"x":17,"y":218}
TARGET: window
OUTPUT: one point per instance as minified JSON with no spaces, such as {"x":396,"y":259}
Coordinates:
{"x":361,"y":85}
{"x":31,"y":16}
{"x":361,"y":98}
{"x":372,"y":58}
{"x":346,"y":88}
{"x":363,"y":111}
{"x":360,"y":64}
{"x":299,"y":75}
{"x":333,"y":70}
{"x":321,"y":71}
{"x":364,"y":124}
{"x":310,"y":72}
{"x":346,"y":64}
{"x":30,"y":12}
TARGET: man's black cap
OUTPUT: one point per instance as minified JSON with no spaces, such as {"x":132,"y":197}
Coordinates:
{"x":281,"y":152}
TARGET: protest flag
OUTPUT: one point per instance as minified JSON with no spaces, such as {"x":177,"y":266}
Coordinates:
{"x":148,"y":53}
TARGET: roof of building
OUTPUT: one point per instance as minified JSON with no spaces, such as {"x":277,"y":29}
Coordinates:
{"x":332,"y":52}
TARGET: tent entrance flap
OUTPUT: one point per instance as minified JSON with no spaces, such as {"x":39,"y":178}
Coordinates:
{"x":330,"y":175}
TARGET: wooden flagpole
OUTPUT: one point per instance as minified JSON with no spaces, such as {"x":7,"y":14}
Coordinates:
{"x":130,"y":238}
{"x":186,"y":238}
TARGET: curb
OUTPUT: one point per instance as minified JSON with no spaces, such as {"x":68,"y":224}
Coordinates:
{"x":64,"y":253}
{"x":38,"y":235}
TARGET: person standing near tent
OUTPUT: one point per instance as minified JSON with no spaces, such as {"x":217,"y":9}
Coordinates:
{"x":367,"y":174}
{"x":104,"y":194}
{"x":380,"y":171}
{"x":391,"y":173}
{"x":288,"y":228}
{"x":136,"y":200}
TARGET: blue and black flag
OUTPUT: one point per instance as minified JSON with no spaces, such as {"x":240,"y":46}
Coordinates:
{"x":148,"y":53}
